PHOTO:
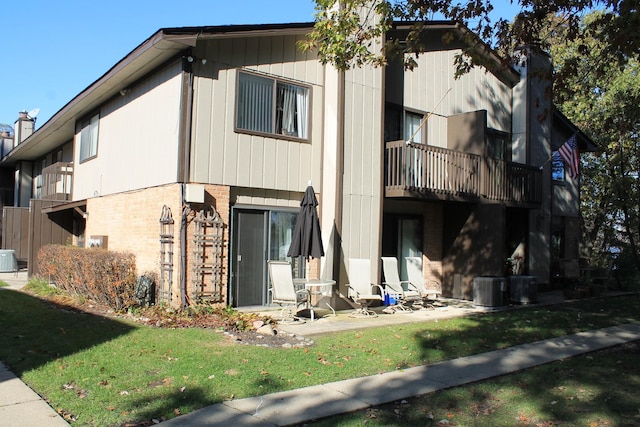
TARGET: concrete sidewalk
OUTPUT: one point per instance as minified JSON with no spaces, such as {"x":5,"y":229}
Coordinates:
{"x":20,"y":406}
{"x":14,"y":280}
{"x":302,"y":405}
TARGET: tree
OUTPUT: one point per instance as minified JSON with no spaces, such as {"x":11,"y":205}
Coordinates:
{"x":345,"y":30}
{"x":602,"y":96}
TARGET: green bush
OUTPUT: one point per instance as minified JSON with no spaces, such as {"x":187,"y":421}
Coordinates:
{"x":106,"y":277}
{"x":626,"y":271}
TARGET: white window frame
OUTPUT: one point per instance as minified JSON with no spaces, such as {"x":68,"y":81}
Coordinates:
{"x":274,"y":119}
{"x":411,"y":125}
{"x":89,"y":138}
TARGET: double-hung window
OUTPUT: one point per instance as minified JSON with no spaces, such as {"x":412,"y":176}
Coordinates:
{"x":268,"y":105}
{"x":89,"y":138}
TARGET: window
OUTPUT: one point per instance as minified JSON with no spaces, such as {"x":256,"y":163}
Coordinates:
{"x":497,"y":146}
{"x":89,"y":138}
{"x":557,"y":167}
{"x":270,"y":106}
{"x":392,"y":123}
{"x":57,"y":156}
{"x":403,"y":125}
{"x":37,"y":182}
{"x":412,"y":130}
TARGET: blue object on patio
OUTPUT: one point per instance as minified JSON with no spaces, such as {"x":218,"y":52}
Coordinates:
{"x":390,"y":299}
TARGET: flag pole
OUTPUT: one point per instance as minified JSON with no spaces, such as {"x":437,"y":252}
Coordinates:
{"x":556,"y":154}
{"x":547,"y":161}
{"x":428,"y":115}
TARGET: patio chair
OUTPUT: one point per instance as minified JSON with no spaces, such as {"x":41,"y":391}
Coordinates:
{"x":283,"y":291}
{"x":429,"y":288}
{"x":407,"y":293}
{"x":360,"y":288}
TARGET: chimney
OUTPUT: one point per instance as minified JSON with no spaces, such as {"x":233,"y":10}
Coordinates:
{"x":23,"y":128}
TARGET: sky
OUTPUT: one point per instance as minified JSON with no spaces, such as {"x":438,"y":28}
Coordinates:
{"x":53,"y":50}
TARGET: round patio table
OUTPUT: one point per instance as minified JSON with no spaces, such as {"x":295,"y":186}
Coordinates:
{"x":319,"y":287}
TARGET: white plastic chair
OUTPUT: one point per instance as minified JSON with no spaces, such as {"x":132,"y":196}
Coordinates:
{"x":407,"y":293}
{"x":360,"y":288}
{"x":414,"y":272}
{"x":283,"y":292}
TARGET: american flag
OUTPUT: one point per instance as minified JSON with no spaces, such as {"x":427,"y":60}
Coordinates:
{"x":569,"y":153}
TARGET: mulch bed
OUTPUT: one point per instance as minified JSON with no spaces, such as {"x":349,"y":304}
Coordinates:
{"x":268,"y":337}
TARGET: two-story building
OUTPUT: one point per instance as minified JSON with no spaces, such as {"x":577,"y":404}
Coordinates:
{"x":194,"y":150}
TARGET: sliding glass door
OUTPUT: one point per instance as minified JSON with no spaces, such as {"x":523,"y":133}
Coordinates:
{"x":258,"y":236}
{"x":402,"y":237}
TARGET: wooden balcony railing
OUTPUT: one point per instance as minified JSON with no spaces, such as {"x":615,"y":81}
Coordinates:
{"x":56,"y":181}
{"x":423,"y":171}
{"x":512,"y":182}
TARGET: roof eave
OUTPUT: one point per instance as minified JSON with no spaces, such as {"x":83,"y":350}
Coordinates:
{"x":60,"y":128}
{"x":586,"y":144}
{"x":502,"y":69}
{"x":156,"y":50}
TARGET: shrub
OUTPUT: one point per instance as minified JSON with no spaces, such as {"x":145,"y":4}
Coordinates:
{"x":106,"y":277}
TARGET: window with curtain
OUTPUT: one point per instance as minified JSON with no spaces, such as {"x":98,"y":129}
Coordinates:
{"x":412,"y":130}
{"x":271,"y":106}
{"x":89,"y":138}
{"x":401,"y":124}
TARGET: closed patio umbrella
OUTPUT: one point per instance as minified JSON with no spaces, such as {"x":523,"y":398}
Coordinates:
{"x":307,"y":239}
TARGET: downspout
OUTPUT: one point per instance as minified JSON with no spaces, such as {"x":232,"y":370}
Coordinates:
{"x":339,"y":177}
{"x":184,"y":163}
{"x":183,"y":249}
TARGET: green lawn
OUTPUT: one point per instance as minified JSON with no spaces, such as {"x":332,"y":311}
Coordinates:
{"x":593,"y":390}
{"x":102,"y":371}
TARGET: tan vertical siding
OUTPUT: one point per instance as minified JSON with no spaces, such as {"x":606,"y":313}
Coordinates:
{"x":363,"y":168}
{"x":426,"y":90}
{"x":138,"y":136}
{"x":222,"y":156}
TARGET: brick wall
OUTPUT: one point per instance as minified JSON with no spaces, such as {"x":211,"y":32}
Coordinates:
{"x":432,"y":242}
{"x":131,"y":221}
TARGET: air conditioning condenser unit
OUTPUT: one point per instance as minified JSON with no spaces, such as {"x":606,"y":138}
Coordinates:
{"x":489,"y":291}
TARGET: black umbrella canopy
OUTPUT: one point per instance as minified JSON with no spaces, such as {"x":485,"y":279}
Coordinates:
{"x":307,"y":239}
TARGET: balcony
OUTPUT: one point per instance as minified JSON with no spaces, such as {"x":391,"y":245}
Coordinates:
{"x":427,"y":172}
{"x":56,"y":181}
